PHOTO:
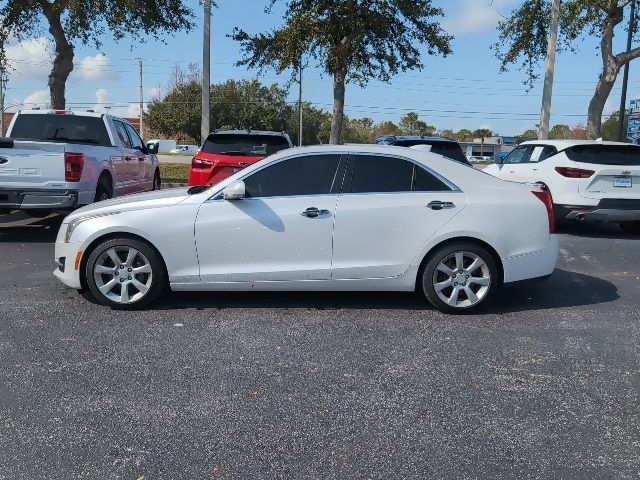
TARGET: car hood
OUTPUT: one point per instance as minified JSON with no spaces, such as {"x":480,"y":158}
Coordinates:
{"x":155,"y":199}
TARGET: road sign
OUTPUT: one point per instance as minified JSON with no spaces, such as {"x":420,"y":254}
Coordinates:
{"x":633,"y":126}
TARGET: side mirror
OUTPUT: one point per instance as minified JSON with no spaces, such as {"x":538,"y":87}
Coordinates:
{"x":152,"y":148}
{"x":498,"y":160}
{"x":234,"y":191}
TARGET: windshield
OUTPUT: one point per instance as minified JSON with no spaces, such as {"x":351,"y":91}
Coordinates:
{"x":61,"y":128}
{"x":250,"y":145}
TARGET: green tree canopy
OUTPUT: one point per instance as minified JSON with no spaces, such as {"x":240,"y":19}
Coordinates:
{"x":560,"y":132}
{"x":351,"y":40}
{"x":234,"y":104}
{"x":410,"y":124}
{"x":523,"y":38}
{"x":86,"y":21}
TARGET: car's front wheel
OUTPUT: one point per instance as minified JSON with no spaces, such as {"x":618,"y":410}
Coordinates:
{"x":460,"y":277}
{"x":125,"y":273}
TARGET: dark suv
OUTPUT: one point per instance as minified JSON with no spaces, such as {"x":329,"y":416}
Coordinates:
{"x":445,"y":146}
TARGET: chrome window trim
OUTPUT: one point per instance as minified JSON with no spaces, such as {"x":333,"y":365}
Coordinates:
{"x":453,"y":187}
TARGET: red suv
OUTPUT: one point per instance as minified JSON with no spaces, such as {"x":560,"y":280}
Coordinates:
{"x":227,"y":151}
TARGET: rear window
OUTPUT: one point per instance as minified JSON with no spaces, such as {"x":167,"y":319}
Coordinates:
{"x":61,"y":128}
{"x":605,"y":154}
{"x":450,"y":150}
{"x":245,"y":144}
{"x":447,"y":149}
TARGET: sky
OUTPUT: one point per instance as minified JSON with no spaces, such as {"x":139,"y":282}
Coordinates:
{"x":463,"y":90}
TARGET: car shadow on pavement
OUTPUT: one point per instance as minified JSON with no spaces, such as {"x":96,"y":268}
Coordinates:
{"x":20,"y":228}
{"x":594,"y":230}
{"x":563,"y":289}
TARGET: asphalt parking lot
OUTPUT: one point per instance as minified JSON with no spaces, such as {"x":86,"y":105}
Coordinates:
{"x":544,"y":385}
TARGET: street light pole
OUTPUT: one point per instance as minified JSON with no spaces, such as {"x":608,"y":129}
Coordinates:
{"x":141,"y":100}
{"x":300,"y":107}
{"x":625,"y":79}
{"x":206,"y":72}
{"x":545,"y":112}
{"x":2,"y":88}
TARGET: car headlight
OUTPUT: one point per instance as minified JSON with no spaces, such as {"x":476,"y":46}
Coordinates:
{"x":73,"y":224}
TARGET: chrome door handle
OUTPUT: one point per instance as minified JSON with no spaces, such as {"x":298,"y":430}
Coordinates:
{"x":438,"y":205}
{"x":314,"y":212}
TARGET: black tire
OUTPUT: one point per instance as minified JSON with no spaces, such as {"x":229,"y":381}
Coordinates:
{"x":630,"y":228}
{"x":104,"y":189}
{"x":157,"y":181}
{"x":37,"y":213}
{"x":156,"y":282}
{"x":464,"y":302}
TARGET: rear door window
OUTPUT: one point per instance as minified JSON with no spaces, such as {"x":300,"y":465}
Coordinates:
{"x":78,"y":129}
{"x":305,"y":175}
{"x":625,"y":155}
{"x":380,"y":174}
{"x":241,"y":144}
{"x":122,"y":134}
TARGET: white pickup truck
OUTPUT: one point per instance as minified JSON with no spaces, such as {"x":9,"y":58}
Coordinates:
{"x":57,"y":160}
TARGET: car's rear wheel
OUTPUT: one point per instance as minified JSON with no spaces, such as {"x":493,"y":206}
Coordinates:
{"x":631,"y":228}
{"x":104,"y":189}
{"x":460,"y":277}
{"x":125,"y":274}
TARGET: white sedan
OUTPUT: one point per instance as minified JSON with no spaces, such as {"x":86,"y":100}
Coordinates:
{"x":357,"y":218}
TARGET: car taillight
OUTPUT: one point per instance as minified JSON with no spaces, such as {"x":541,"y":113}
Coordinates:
{"x":545,"y":197}
{"x":200,"y":163}
{"x":574,"y":172}
{"x":73,"y":165}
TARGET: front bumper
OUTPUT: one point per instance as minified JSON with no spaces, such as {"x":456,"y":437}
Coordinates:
{"x":46,"y":199}
{"x":607,"y":210}
{"x":532,"y":265}
{"x":66,"y":255}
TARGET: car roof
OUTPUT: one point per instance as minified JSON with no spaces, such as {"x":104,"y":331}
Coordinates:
{"x":249,"y":132}
{"x":51,"y":111}
{"x":562,"y":144}
{"x":428,"y":138}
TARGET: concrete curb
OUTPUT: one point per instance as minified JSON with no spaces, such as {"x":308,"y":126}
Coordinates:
{"x":167,"y":185}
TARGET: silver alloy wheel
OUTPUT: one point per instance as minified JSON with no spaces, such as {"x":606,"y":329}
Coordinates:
{"x":462,"y":279}
{"x":123,"y":274}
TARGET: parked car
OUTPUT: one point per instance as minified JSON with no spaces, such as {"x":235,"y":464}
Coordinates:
{"x":480,"y":158}
{"x":588,"y":180}
{"x":226,"y":152}
{"x":162,"y":146}
{"x":59,"y":159}
{"x":186,"y":149}
{"x":329,"y":217}
{"x":445,"y":146}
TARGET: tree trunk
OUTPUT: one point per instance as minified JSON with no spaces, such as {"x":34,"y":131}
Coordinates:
{"x":596,"y":106}
{"x":63,"y":61}
{"x":338,"y":106}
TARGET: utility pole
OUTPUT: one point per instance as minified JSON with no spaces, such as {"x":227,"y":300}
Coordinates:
{"x":3,"y":86}
{"x":206,"y":71}
{"x":550,"y":66}
{"x":141,"y":100}
{"x":625,"y":79}
{"x":300,"y":107}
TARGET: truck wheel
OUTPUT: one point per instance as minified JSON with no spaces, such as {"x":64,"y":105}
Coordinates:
{"x":104,"y":189}
{"x":157,"y":182}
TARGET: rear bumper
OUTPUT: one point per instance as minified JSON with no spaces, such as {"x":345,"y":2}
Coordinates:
{"x":532,"y":265}
{"x":25,"y":199}
{"x":607,"y":210}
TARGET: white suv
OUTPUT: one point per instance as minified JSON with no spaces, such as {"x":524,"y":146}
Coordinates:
{"x":588,"y":180}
